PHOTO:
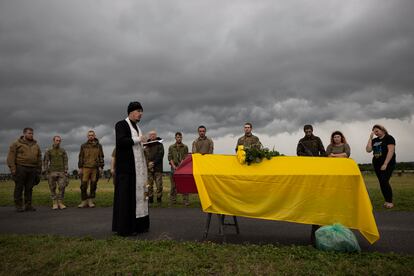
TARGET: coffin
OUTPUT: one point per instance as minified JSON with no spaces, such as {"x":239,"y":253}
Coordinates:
{"x":183,"y":177}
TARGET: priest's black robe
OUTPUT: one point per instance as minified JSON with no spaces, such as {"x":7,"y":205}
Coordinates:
{"x":124,"y":220}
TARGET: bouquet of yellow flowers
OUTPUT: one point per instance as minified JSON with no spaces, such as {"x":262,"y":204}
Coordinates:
{"x":254,"y":154}
{"x":241,"y":154}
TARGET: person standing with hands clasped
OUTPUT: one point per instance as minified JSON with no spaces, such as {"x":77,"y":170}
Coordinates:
{"x":25,"y":162}
{"x":310,"y":145}
{"x":383,"y":148}
{"x":338,"y":146}
{"x":176,"y":154}
{"x":91,"y":163}
{"x":203,"y":144}
{"x":55,"y":164}
{"x":154,"y":153}
{"x":248,"y":139}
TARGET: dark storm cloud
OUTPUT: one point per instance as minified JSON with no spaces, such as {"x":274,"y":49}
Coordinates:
{"x":67,"y":67}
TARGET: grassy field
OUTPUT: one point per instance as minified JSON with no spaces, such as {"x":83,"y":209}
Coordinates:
{"x":104,"y":194}
{"x":51,"y":255}
{"x":403,"y":192}
{"x":403,"y":188}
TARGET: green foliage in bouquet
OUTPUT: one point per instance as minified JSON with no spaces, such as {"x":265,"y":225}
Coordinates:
{"x":256,"y":155}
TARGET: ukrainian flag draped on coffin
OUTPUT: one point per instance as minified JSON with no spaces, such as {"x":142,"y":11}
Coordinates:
{"x":310,"y":190}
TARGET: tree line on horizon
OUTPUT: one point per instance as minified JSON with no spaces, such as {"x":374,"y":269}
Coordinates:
{"x":366,"y":167}
{"x":399,"y":166}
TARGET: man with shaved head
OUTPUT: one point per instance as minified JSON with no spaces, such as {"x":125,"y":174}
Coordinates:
{"x":91,"y":163}
{"x":55,"y":164}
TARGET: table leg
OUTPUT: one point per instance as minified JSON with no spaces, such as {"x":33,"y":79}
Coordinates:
{"x":221,"y":219}
{"x":221,"y":227}
{"x":221,"y":224}
{"x":207,"y":225}
{"x":236,"y":224}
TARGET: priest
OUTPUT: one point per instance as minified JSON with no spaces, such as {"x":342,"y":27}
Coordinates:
{"x":130,"y":213}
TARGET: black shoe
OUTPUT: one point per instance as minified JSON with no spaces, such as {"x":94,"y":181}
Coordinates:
{"x":159,"y":199}
{"x":19,"y":209}
{"x":151,"y":199}
{"x":29,"y":208}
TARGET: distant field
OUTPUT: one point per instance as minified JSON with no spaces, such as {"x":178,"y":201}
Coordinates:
{"x":403,"y":188}
{"x":104,"y":194}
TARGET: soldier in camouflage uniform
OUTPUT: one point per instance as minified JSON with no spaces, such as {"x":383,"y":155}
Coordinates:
{"x":176,"y":154}
{"x":25,"y":162}
{"x":55,"y":164}
{"x":91,"y":163}
{"x":203,"y":144}
{"x":248,"y":139}
{"x":154,"y":153}
{"x":310,"y":145}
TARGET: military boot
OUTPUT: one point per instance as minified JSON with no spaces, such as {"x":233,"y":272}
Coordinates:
{"x":55,"y":205}
{"x":61,"y":205}
{"x":83,"y":204}
{"x":19,"y":206}
{"x":186,"y":200}
{"x":29,"y":208}
{"x":90,"y":203}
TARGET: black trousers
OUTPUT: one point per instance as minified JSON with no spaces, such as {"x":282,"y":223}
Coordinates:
{"x":384,"y":180}
{"x":24,"y":182}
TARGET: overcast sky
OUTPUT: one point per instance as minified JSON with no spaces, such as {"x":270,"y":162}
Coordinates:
{"x":70,"y":66}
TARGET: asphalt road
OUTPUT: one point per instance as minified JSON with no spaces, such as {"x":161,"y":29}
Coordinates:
{"x":188,"y":224}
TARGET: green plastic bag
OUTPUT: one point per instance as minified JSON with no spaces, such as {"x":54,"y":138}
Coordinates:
{"x":336,"y":238}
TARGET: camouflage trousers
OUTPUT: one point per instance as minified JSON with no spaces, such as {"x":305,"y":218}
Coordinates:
{"x":157,"y":178}
{"x":59,"y":180}
{"x":173,"y":190}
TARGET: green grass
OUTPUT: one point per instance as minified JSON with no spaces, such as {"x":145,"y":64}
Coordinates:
{"x":104,"y":194}
{"x":403,"y":188}
{"x":403,"y":192}
{"x":51,"y":255}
